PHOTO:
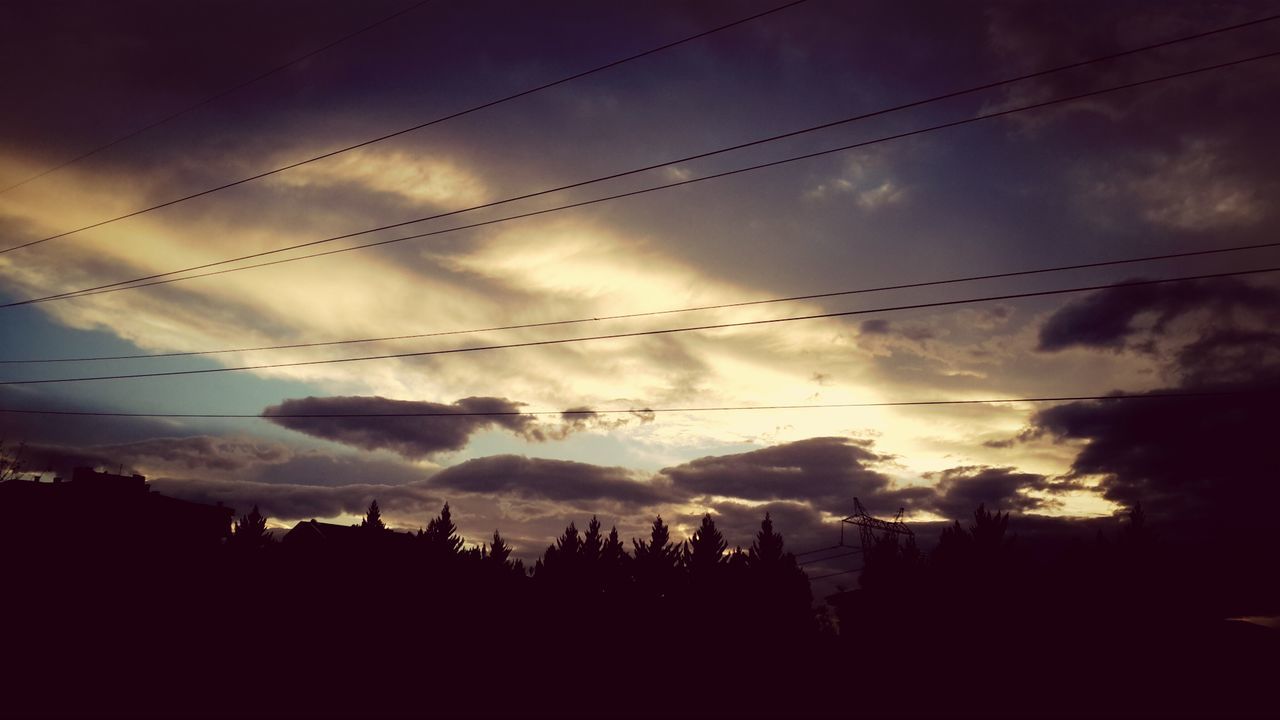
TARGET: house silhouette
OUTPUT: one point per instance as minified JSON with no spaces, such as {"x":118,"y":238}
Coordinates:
{"x":97,"y":509}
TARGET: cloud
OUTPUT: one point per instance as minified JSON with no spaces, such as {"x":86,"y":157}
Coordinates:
{"x":323,"y":469}
{"x":1230,"y":356}
{"x":827,"y":471}
{"x":874,"y":327}
{"x":60,"y":460}
{"x":865,"y":179}
{"x":197,"y":452}
{"x":422,"y":437}
{"x":1189,"y":458}
{"x":886,"y":193}
{"x":582,"y":418}
{"x":410,"y":437}
{"x":418,"y":179}
{"x":1192,"y":190}
{"x":203,"y":452}
{"x":961,"y":489}
{"x":1108,"y":318}
{"x":918,"y":333}
{"x":556,"y":480}
{"x":286,"y":502}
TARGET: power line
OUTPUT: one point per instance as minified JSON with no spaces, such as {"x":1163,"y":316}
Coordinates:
{"x":957,"y":93}
{"x":419,"y":126}
{"x":1189,"y":395}
{"x":165,"y":276}
{"x":831,"y":575}
{"x":818,"y":550}
{"x":664,"y":331}
{"x":824,"y":559}
{"x":651,"y":313}
{"x":206,"y":101}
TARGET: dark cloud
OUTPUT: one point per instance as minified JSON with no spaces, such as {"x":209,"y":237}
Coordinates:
{"x":284,"y":502}
{"x":60,"y":460}
{"x":827,"y":471}
{"x":1179,"y":457}
{"x":197,"y":452}
{"x":65,"y":429}
{"x":874,"y":327}
{"x":1191,"y":459}
{"x":420,"y":437}
{"x":316,"y":468}
{"x":961,"y":489}
{"x":1229,"y":356}
{"x":202,"y":452}
{"x":885,"y":327}
{"x":583,"y":418}
{"x":411,"y":437}
{"x":1106,"y":319}
{"x":556,"y":480}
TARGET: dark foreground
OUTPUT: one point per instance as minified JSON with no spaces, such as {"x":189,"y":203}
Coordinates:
{"x":394,"y":624}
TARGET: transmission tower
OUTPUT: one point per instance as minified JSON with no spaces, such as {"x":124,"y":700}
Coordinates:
{"x":872,"y":530}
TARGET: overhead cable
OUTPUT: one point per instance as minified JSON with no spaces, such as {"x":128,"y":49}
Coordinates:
{"x":662,"y":331}
{"x":419,"y":126}
{"x":166,"y":277}
{"x":652,"y":313}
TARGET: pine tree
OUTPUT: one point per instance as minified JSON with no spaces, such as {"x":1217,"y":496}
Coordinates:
{"x":562,"y":560}
{"x":569,"y":545}
{"x":658,"y":547}
{"x":498,"y":552}
{"x":441,"y":535}
{"x":614,"y":563}
{"x":656,"y":560}
{"x":988,"y":531}
{"x":592,"y":543}
{"x":1135,"y":536}
{"x":250,"y":531}
{"x":613,"y":554}
{"x":766,"y":551}
{"x":706,"y":549}
{"x":373,"y":518}
{"x":781,"y":595}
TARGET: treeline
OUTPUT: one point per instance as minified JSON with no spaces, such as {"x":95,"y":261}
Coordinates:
{"x":697,"y":580}
{"x":367,"y":621}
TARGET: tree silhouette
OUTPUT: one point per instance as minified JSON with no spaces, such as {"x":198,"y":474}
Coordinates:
{"x":441,"y":536}
{"x":373,"y":518}
{"x":779,"y":590}
{"x":981,"y":548}
{"x":989,"y":530}
{"x":1135,"y":535}
{"x":561,"y":560}
{"x":499,"y":551}
{"x":592,"y":544}
{"x":766,"y":551}
{"x":613,"y":553}
{"x":614,"y":563}
{"x":706,"y":549}
{"x":250,"y":531}
{"x":569,"y":544}
{"x":981,"y":605}
{"x":656,"y":560}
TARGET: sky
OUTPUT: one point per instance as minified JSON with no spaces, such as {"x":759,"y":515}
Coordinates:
{"x":1177,"y":166}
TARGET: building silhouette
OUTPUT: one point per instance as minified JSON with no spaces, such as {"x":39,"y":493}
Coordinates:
{"x":102,"y":509}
